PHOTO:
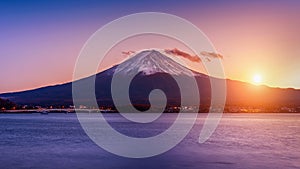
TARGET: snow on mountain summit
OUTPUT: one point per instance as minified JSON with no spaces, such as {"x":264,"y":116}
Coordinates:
{"x":150,"y":62}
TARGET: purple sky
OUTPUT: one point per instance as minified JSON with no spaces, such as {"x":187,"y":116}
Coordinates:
{"x":40,"y":40}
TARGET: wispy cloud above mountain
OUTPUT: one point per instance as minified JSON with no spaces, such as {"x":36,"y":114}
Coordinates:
{"x":127,"y":53}
{"x":211,"y":54}
{"x":194,"y":58}
{"x":188,"y":56}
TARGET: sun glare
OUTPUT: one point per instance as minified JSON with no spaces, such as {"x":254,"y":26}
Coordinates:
{"x":257,"y":79}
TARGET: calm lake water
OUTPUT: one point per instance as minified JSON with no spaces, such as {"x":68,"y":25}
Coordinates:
{"x":240,"y":141}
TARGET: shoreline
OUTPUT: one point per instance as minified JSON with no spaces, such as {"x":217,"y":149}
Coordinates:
{"x":115,"y":112}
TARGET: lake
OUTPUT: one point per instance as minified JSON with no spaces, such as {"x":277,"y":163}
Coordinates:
{"x":241,"y":141}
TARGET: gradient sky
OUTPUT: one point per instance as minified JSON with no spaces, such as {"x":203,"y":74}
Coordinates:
{"x":40,"y":40}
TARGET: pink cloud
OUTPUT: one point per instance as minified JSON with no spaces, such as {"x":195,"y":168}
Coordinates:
{"x":127,"y":53}
{"x":178,"y":52}
{"x":211,"y":55}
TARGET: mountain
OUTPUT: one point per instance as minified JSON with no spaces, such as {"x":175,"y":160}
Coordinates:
{"x":150,"y":62}
{"x":156,"y":71}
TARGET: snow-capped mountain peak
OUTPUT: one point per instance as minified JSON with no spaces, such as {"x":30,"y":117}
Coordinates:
{"x":150,"y":62}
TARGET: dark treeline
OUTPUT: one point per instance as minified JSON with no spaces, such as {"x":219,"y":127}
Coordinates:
{"x":6,"y":104}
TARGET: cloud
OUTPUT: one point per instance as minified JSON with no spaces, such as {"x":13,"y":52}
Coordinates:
{"x":127,"y":53}
{"x":211,"y":55}
{"x":207,"y":59}
{"x":178,"y":52}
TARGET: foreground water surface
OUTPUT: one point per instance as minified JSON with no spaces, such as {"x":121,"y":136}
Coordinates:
{"x":240,"y":141}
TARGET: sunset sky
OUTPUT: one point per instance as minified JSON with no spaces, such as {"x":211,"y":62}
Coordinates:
{"x":40,"y":40}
